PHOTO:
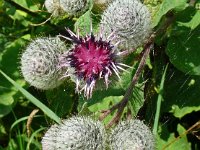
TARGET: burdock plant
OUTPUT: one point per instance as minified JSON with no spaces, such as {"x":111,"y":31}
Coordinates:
{"x":92,"y":60}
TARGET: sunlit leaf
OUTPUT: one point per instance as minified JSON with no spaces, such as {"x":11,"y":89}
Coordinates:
{"x":166,"y":6}
{"x":165,"y":139}
{"x":194,"y":22}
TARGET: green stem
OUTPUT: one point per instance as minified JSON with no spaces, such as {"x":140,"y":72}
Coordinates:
{"x":159,"y":100}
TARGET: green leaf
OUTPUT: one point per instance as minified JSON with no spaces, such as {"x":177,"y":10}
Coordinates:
{"x":183,"y":50}
{"x":182,"y":111}
{"x":181,"y":94}
{"x":61,"y":100}
{"x":194,"y":22}
{"x":32,"y":5}
{"x":9,"y":63}
{"x":105,"y":104}
{"x":35,"y":101}
{"x":83,"y":23}
{"x":166,"y":6}
{"x":165,"y":138}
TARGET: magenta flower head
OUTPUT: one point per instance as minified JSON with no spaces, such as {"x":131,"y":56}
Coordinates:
{"x":91,"y":60}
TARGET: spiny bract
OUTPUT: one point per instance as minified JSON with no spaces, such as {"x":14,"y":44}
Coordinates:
{"x":132,"y":135}
{"x":39,"y":62}
{"x":76,"y":133}
{"x":91,"y":60}
{"x":74,"y":7}
{"x":130,"y":20}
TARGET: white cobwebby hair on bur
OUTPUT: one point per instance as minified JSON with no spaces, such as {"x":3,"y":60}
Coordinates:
{"x":131,"y":21}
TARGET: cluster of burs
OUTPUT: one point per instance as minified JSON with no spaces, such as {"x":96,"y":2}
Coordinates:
{"x":40,"y":65}
{"x":129,"y":19}
{"x":84,"y":133}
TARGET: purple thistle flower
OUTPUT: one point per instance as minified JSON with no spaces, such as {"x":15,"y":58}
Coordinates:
{"x":91,"y":60}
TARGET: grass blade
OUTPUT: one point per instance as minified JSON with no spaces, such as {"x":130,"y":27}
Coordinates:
{"x":34,"y":100}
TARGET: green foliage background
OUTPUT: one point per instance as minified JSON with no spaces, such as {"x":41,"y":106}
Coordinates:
{"x":179,"y":47}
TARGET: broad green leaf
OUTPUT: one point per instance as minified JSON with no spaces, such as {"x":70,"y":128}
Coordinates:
{"x":84,"y":22}
{"x":35,"y":101}
{"x":28,"y":4}
{"x":105,"y":99}
{"x":166,"y":6}
{"x":183,"y":50}
{"x":9,"y":62}
{"x":181,"y":94}
{"x":182,"y":111}
{"x":61,"y":99}
{"x":136,"y":100}
{"x":105,"y":104}
{"x":97,"y":99}
{"x":166,"y":137}
{"x":6,"y":101}
{"x":194,"y":22}
{"x":181,"y":91}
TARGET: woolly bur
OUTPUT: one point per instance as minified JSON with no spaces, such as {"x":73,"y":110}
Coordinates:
{"x":70,"y":7}
{"x":39,"y":63}
{"x":53,"y":6}
{"x":91,"y":61}
{"x":131,"y":21}
{"x":132,"y":135}
{"x":74,"y":7}
{"x":76,"y":133}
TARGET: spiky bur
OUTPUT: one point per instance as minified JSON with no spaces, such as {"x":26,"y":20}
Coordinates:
{"x":40,"y":60}
{"x":91,"y":61}
{"x":130,"y":20}
{"x":74,"y":7}
{"x":132,"y":135}
{"x":76,"y":133}
{"x":53,"y":6}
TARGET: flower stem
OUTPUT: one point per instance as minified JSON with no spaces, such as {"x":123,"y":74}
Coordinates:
{"x":159,"y":100}
{"x":122,"y":104}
